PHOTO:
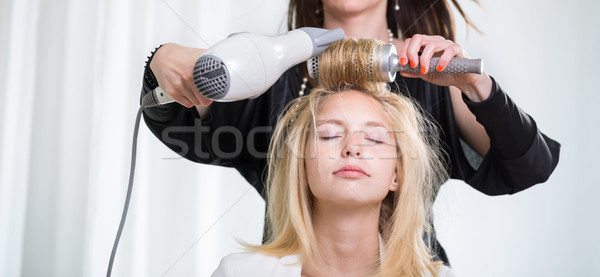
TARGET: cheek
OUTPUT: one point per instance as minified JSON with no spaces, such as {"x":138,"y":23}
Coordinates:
{"x":389,"y":165}
{"x":318,"y":164}
{"x":319,"y":155}
{"x":388,"y":169}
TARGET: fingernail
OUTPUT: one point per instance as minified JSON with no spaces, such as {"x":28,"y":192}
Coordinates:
{"x":439,"y":68}
{"x":413,"y":64}
{"x":403,"y":61}
{"x":422,"y":70}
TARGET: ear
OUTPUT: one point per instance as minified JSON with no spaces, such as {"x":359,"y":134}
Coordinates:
{"x":394,"y":184}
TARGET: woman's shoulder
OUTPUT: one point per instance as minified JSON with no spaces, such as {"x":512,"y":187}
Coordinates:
{"x":256,"y":264}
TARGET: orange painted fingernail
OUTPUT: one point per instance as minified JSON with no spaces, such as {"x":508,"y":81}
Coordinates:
{"x":413,"y":64}
{"x":422,"y":70}
{"x":403,"y":61}
{"x":439,"y":68}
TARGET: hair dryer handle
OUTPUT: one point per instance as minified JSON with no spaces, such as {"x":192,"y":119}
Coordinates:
{"x":156,"y":97}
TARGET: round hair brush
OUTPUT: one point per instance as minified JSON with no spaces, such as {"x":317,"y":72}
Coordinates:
{"x":384,"y":63}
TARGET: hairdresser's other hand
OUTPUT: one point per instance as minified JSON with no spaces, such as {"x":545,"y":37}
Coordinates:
{"x":474,"y":86}
{"x":173,"y":66}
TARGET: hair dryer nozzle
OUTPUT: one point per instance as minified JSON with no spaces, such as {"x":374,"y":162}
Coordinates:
{"x":322,"y":38}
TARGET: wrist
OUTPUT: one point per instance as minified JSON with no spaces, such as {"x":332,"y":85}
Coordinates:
{"x":479,"y":89}
{"x":153,"y":55}
{"x":149,"y":78}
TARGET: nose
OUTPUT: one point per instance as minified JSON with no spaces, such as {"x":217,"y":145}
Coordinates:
{"x":352,"y":146}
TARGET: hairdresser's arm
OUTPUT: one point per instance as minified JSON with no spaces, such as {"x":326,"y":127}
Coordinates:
{"x":182,"y":125}
{"x":209,"y":134}
{"x":520,"y":155}
{"x":516,"y":154}
{"x":470,"y":130}
{"x":475,"y":87}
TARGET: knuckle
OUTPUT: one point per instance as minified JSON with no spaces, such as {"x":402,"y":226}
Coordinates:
{"x":406,"y":43}
{"x":186,"y":78}
{"x":459,"y":50}
{"x":429,"y":48}
{"x":177,"y":83}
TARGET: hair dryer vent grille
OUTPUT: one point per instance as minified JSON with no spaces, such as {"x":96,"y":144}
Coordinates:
{"x":211,"y":77}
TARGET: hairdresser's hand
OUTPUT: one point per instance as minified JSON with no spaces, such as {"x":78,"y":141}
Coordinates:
{"x":475,"y":86}
{"x":173,"y":66}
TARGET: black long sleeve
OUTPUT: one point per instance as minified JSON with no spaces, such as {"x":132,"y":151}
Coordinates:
{"x":520,"y":155}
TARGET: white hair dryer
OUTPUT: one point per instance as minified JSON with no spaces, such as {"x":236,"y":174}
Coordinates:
{"x":245,"y":65}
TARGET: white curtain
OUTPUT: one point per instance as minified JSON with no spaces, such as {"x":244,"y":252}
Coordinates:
{"x":70,"y":78}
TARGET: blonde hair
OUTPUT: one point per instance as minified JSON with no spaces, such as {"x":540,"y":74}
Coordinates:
{"x":404,"y":215}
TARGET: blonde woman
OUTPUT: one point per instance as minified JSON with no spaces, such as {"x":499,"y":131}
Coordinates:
{"x":352,"y":167}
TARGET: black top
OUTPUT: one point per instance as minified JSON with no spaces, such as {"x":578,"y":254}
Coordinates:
{"x":237,"y":134}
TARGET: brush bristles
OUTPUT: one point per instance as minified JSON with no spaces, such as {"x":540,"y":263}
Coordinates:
{"x":358,"y":68}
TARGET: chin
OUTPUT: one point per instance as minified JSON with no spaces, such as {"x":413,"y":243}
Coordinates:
{"x":351,"y":6}
{"x":357,"y":193}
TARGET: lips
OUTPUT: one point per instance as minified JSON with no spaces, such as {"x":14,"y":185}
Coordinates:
{"x":351,"y":171}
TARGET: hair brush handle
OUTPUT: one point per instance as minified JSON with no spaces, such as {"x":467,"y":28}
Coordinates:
{"x":456,"y":66}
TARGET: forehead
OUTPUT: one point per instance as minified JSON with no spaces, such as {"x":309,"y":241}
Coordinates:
{"x":352,"y":107}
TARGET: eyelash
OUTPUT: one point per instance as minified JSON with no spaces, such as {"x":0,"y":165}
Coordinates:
{"x":373,"y":140}
{"x":376,"y":141}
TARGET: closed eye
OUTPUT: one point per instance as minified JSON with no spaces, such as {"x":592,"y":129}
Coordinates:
{"x":375,"y":140}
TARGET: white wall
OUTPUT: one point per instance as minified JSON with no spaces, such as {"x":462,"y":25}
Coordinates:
{"x":545,"y":56}
{"x":70,"y":74}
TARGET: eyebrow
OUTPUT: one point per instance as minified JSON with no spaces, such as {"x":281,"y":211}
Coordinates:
{"x":339,"y":122}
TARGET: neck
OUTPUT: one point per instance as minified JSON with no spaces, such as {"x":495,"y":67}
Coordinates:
{"x":348,"y":241}
{"x":368,"y":23}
